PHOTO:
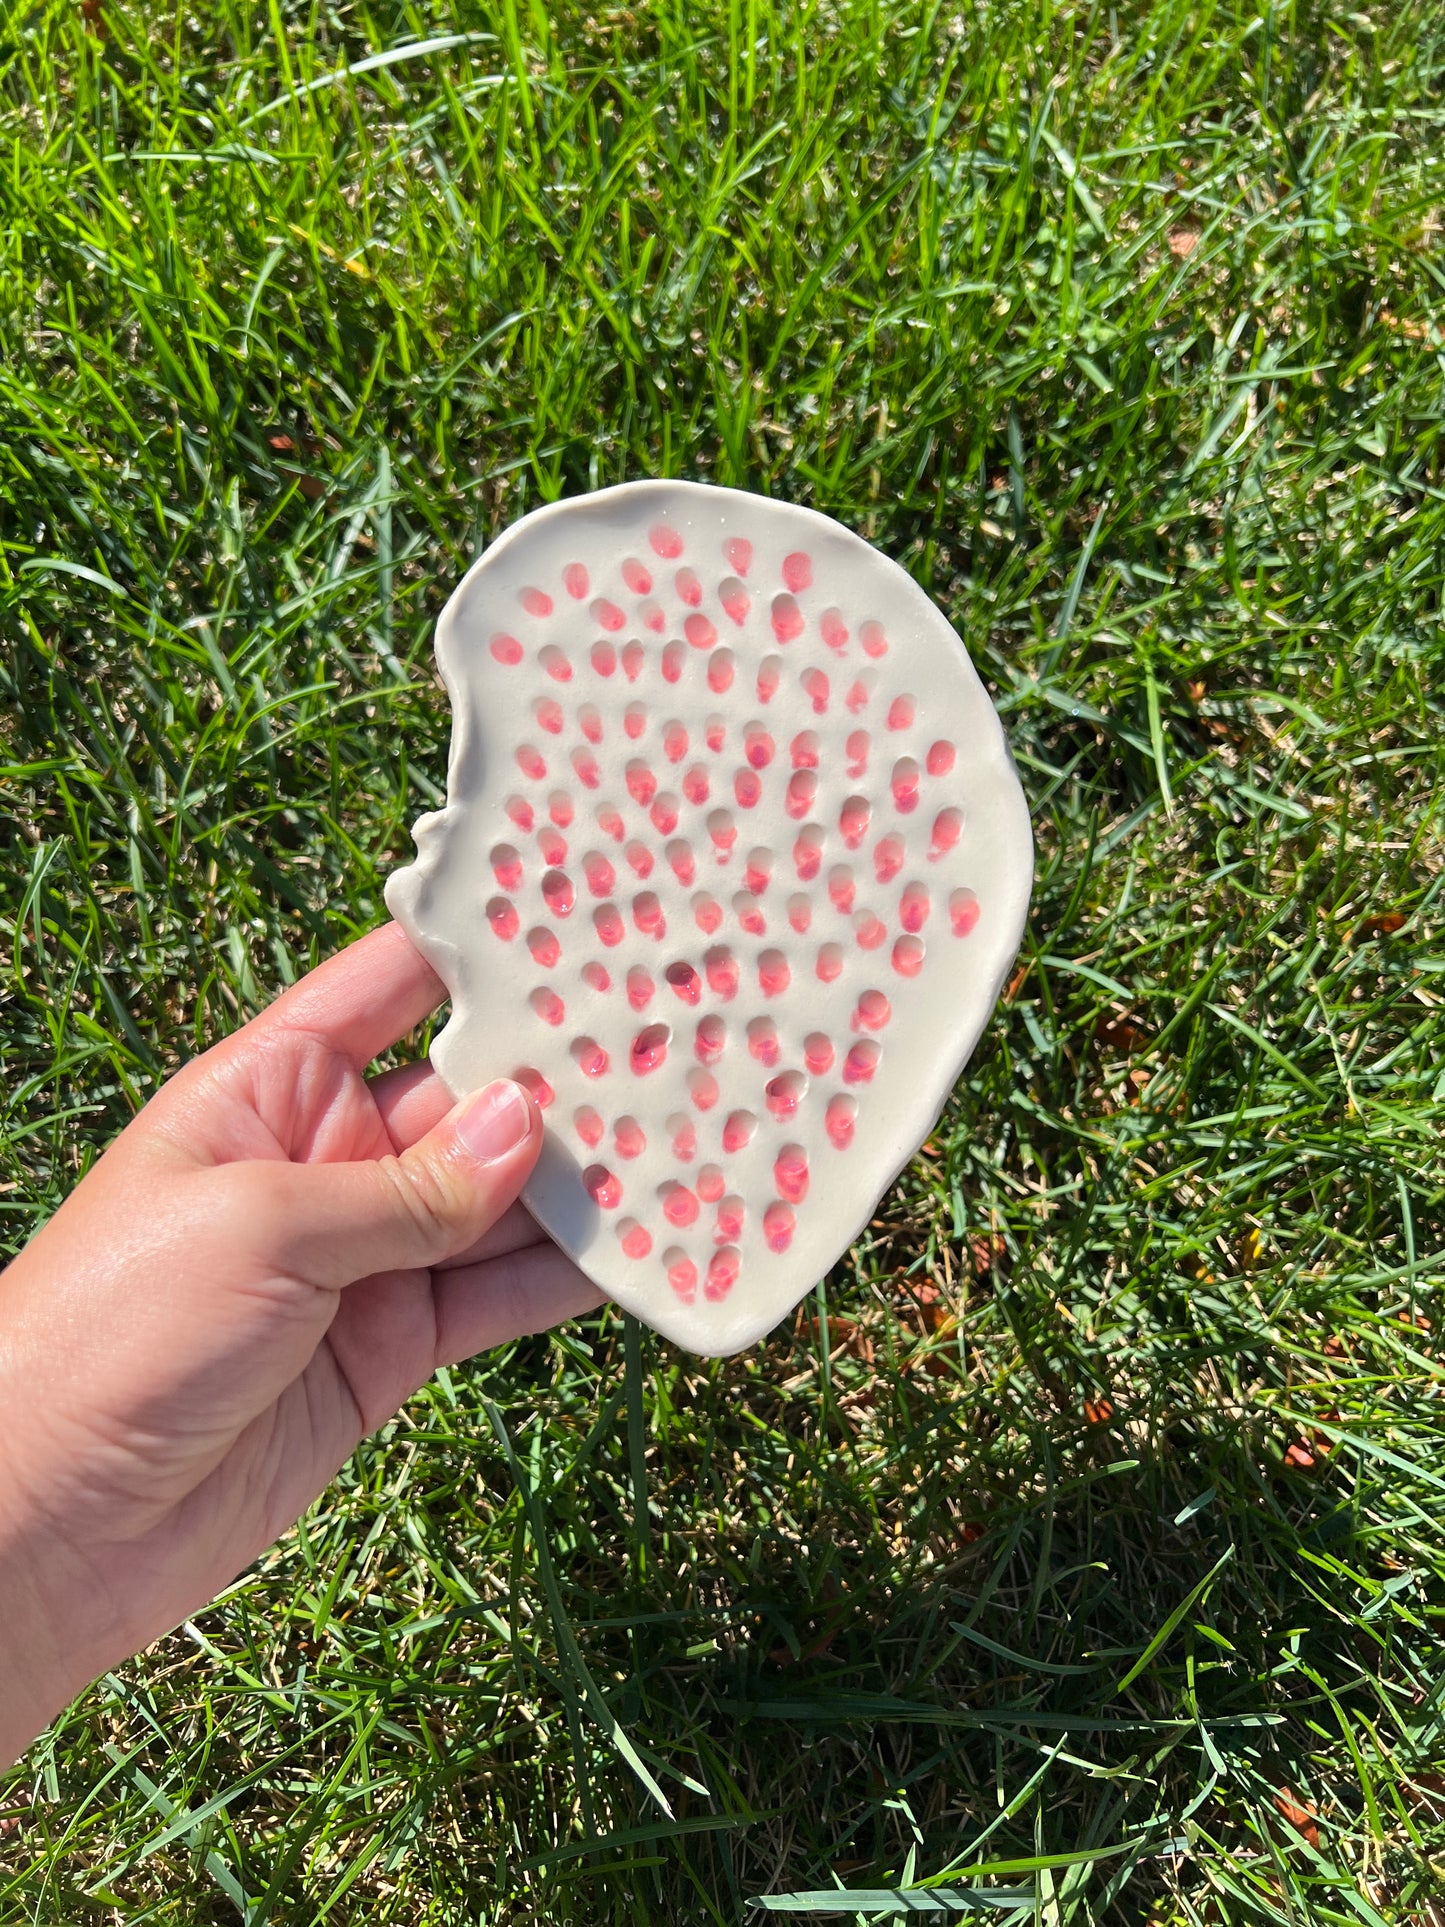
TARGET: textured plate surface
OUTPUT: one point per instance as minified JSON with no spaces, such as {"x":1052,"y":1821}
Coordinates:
{"x":733,"y":865}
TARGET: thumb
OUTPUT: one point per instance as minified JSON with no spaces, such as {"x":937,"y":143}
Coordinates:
{"x":331,"y":1224}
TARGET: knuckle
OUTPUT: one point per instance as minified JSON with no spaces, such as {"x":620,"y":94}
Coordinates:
{"x":422,"y":1201}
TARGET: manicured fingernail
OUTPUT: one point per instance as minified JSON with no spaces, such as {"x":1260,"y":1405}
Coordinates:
{"x":495,"y":1121}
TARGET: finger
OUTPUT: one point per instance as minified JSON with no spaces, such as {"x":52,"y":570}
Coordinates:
{"x":361,"y":1000}
{"x":410,"y":1100}
{"x":330,"y":1224}
{"x":513,"y":1231}
{"x":505,"y":1298}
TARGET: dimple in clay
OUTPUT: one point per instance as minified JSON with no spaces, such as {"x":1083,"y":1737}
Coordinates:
{"x":733,"y":865}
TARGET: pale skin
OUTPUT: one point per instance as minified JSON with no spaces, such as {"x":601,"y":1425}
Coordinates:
{"x":273,"y":1256}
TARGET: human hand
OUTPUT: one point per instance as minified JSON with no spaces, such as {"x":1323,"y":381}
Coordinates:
{"x":272,"y":1256}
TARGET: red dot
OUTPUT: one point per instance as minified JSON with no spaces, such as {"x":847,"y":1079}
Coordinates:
{"x":639,"y":858}
{"x":536,"y":602}
{"x":544,"y":947}
{"x":887,"y":858}
{"x":808,"y":853}
{"x":785,"y":1093}
{"x":857,"y":751}
{"x":695,"y":785}
{"x":778,"y":1227}
{"x":758,"y":871}
{"x":908,"y":956}
{"x":548,"y":715}
{"x":787,"y":618}
{"x":840,"y":887}
{"x":634,"y":656}
{"x":665,"y":541}
{"x":699,"y":632}
{"x":602,"y":1187}
{"x":506,"y":866}
{"x":609,"y":821}
{"x":684,"y":1137}
{"x":595,"y":976}
{"x":721,"y":829}
{"x":739,"y":553}
{"x":835,"y":630}
{"x":747,"y":788}
{"x":674,"y":742}
{"x":636,"y":1239}
{"x":649,"y":1049}
{"x":816,"y":689}
{"x":520,"y":812}
{"x":585,"y":765}
{"x":684,"y":981}
{"x":720,"y":671}
{"x":913,"y":907}
{"x":557,"y":889}
{"x":634,"y":720}
{"x":575,"y":580}
{"x":800,"y":912}
{"x":798,"y":570}
{"x":707,"y":913}
{"x":873,"y":1011}
{"x":679,"y":1205}
{"x":947,"y":829}
{"x":681,"y":1274}
{"x":802,"y":788}
{"x":655,"y":618}
{"x":600,"y":875}
{"x":734,"y":599}
{"x":679,"y":857}
{"x":818,"y":1053}
{"x":904,"y":784}
{"x":603,"y":658}
{"x":607,"y":615}
{"x":790,"y":1173}
{"x":857,"y":698}
{"x":636,"y":577}
{"x":869,"y":929}
{"x":641,"y":783}
{"x":716,"y":734}
{"x":503,"y":918}
{"x":722,"y":1272}
{"x":689,"y":589}
{"x":830,"y":963}
{"x":555,"y":663}
{"x":853,"y":820}
{"x":722,"y":973}
{"x":738,"y":1131}
{"x":702,"y":1088}
{"x":774,"y":975}
{"x":804,"y":749}
{"x":841,"y":1115}
{"x":530,"y":763}
{"x":900,"y":712}
{"x":590,"y":723}
{"x":647,"y":914}
{"x":629,"y":1137}
{"x":535,"y":1085}
{"x":710,"y":1184}
{"x":608,"y":924}
{"x":874,"y":642}
{"x":589,"y":1126}
{"x":506,"y":649}
{"x":962,"y":912}
{"x":860,"y":1063}
{"x":710,"y":1040}
{"x":940,"y":759}
{"x":769,"y":674}
{"x":639,"y":988}
{"x":589,"y":1056}
{"x":547,"y":1004}
{"x":731,"y":1216}
{"x":758,"y":746}
{"x":673,"y":657}
{"x":763,"y":1041}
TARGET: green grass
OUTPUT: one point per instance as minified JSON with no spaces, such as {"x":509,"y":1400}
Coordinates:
{"x":1099,"y":1495}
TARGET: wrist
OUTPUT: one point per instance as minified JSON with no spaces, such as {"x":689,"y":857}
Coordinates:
{"x":41,"y":1669}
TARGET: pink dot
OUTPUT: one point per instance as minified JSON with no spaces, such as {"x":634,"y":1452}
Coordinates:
{"x":679,"y":1205}
{"x":576,"y":580}
{"x":787,"y":618}
{"x":769,"y":673}
{"x":506,"y":866}
{"x":595,"y":976}
{"x":803,"y":750}
{"x":695,"y":785}
{"x":962,"y":912}
{"x":947,"y":829}
{"x":600,"y":875}
{"x":603,"y":658}
{"x":840,"y":887}
{"x":722,"y":972}
{"x":634,"y":656}
{"x":749,"y":913}
{"x":815,"y":688}
{"x":654,"y":617}
{"x":808,"y":853}
{"x":665,"y":541}
{"x":608,"y":924}
{"x":904,"y":784}
{"x":707,"y":913}
{"x":860,"y":690}
{"x":584,"y":763}
{"x":684,"y":982}
{"x":739,"y":553}
{"x":649,"y":1049}
{"x":790,"y":1173}
{"x":908,"y":956}
{"x":520,"y":812}
{"x":647,"y":915}
{"x":702,"y":1089}
{"x":689,"y":589}
{"x":857,"y":752}
{"x":503,"y":918}
{"x":913,"y":907}
{"x":785,"y":1093}
{"x":589,"y":1126}
{"x":711,"y":1037}
{"x":853,"y":820}
{"x":639,"y":987}
{"x":758,"y":871}
{"x":774,"y":975}
{"x":590,"y":722}
{"x":869,"y":929}
{"x":715,"y":734}
{"x":530,"y":763}
{"x":800,"y":912}
{"x":673,"y":657}
{"x":710,"y":1184}
{"x":547,"y":1005}
{"x":535,"y":1085}
{"x":887,"y":858}
{"x":536,"y":602}
{"x":641,"y":783}
{"x":802,"y":788}
{"x":634,"y":720}
{"x":763,"y":1042}
{"x":544,"y":947}
{"x":636,"y":577}
{"x":778,"y":1227}
{"x":738,"y":1131}
{"x":506,"y":649}
{"x":841,"y":1115}
{"x":721,"y":829}
{"x":639,"y":859}
{"x":548,"y":715}
{"x":798,"y":570}
{"x":636,"y":1239}
{"x":699,"y":632}
{"x":629,"y":1137}
{"x":874,"y":642}
{"x":720,"y":671}
{"x":602,"y":1187}
{"x":758,"y":746}
{"x":835,"y":630}
{"x":747,"y":788}
{"x":818,"y":1053}
{"x":873,"y":1011}
{"x":680,"y":861}
{"x":830,"y":963}
{"x":940,"y":759}
{"x":722,"y":1272}
{"x":734,"y":599}
{"x":663,"y":814}
{"x":674,"y":742}
{"x":860,"y":1063}
{"x":557,"y":889}
{"x":900,"y":712}
{"x":731,"y":1216}
{"x":609,"y":821}
{"x":589,"y":1056}
{"x":684,"y":1137}
{"x":607,"y":615}
{"x":681,"y":1273}
{"x":555,"y":663}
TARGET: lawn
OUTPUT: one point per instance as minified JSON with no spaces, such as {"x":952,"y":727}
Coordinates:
{"x":1078,"y":1547}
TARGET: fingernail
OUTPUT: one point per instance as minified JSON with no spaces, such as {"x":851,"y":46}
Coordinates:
{"x":495,"y":1121}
